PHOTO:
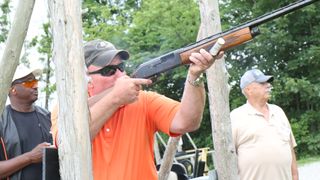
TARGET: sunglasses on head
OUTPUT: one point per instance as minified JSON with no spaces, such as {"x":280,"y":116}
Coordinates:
{"x":109,"y":70}
{"x":27,"y":84}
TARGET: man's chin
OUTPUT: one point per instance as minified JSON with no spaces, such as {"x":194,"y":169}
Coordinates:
{"x":268,"y":96}
{"x":34,"y":99}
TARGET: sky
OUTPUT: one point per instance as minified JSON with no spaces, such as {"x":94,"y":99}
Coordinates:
{"x":39,"y":16}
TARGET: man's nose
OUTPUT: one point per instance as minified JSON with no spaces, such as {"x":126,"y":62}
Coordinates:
{"x":268,"y":85}
{"x":35,"y":86}
{"x":119,"y":73}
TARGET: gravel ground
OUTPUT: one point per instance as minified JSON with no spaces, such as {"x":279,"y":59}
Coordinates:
{"x":309,"y":171}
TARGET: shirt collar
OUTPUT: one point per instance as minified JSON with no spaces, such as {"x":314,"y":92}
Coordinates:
{"x":252,"y":111}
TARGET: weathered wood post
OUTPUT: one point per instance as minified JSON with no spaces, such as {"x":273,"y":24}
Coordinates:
{"x":157,"y":155}
{"x":14,"y":43}
{"x":168,"y":158}
{"x":225,"y":159}
{"x":73,"y":126}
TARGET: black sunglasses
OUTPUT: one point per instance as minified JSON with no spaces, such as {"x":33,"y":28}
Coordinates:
{"x":109,"y":70}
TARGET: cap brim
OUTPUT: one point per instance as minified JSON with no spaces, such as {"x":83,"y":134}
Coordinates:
{"x":265,"y":79}
{"x":106,"y":57}
{"x":35,"y":72}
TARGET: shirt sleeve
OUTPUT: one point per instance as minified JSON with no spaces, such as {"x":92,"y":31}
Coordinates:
{"x":161,"y":110}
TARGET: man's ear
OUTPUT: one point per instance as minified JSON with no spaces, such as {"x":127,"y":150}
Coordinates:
{"x":90,"y":89}
{"x":13,"y":90}
{"x":246,"y":91}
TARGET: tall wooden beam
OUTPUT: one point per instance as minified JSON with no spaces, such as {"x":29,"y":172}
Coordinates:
{"x":225,"y":160}
{"x":73,"y":125}
{"x":168,"y":158}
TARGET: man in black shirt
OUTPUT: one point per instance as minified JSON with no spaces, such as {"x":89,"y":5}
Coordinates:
{"x":24,"y":129}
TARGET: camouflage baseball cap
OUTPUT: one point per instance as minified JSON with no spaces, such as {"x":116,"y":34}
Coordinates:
{"x":101,"y":53}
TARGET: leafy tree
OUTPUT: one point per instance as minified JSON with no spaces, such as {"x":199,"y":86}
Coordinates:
{"x":108,"y":19}
{"x":44,"y":47}
{"x":4,"y":20}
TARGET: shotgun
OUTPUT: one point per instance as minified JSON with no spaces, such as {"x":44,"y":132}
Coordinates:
{"x":233,"y":37}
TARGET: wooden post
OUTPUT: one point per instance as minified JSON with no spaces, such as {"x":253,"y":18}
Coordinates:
{"x":157,"y":155}
{"x":73,"y":126}
{"x":168,"y":157}
{"x":14,"y":43}
{"x":225,"y":159}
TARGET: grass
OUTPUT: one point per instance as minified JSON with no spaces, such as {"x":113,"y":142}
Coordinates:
{"x":308,"y":160}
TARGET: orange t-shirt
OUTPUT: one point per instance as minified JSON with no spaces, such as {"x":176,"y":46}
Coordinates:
{"x":123,"y":149}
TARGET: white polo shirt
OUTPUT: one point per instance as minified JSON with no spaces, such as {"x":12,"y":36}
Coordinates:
{"x":263,"y":146}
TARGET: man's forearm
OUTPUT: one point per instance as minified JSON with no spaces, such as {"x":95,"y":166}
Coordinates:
{"x":294,"y":167}
{"x":13,"y":165}
{"x":189,"y":116}
{"x":100,"y":112}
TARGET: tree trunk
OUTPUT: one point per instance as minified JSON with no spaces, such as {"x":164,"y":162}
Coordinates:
{"x":47,"y":81}
{"x":225,"y":159}
{"x":14,"y":43}
{"x":73,"y":126}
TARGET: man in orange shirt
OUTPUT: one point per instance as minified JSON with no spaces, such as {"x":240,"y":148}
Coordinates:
{"x":124,"y":118}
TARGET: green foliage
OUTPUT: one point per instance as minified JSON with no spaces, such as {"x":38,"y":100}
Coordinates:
{"x":154,"y":22}
{"x":44,"y":47}
{"x":306,"y":128}
{"x":108,"y":19}
{"x":4,"y":21}
{"x":308,"y":160}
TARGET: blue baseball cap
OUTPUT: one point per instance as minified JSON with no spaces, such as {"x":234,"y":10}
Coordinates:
{"x":254,"y":75}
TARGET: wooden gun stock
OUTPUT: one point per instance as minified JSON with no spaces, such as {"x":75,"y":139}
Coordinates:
{"x":231,"y":40}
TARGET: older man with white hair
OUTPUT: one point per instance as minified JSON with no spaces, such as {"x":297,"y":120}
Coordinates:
{"x":262,"y":134}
